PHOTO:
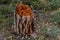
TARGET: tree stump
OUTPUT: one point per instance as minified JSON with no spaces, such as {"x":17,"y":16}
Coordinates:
{"x":23,"y":20}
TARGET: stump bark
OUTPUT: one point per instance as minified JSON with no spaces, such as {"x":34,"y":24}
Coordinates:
{"x":23,"y":24}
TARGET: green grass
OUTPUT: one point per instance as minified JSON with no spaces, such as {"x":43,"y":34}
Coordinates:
{"x":55,"y":17}
{"x":5,"y":20}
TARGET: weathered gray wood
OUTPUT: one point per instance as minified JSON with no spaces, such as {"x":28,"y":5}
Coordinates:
{"x":23,"y":25}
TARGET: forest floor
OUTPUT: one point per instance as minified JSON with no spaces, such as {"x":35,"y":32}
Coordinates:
{"x":47,"y":25}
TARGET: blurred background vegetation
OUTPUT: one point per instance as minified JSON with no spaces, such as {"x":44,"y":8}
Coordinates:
{"x":46,"y":10}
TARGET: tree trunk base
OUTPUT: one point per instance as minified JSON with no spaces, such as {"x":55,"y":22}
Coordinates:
{"x":23,"y":25}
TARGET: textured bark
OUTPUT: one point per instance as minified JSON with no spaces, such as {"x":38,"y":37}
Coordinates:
{"x":23,"y":22}
{"x":23,"y":25}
